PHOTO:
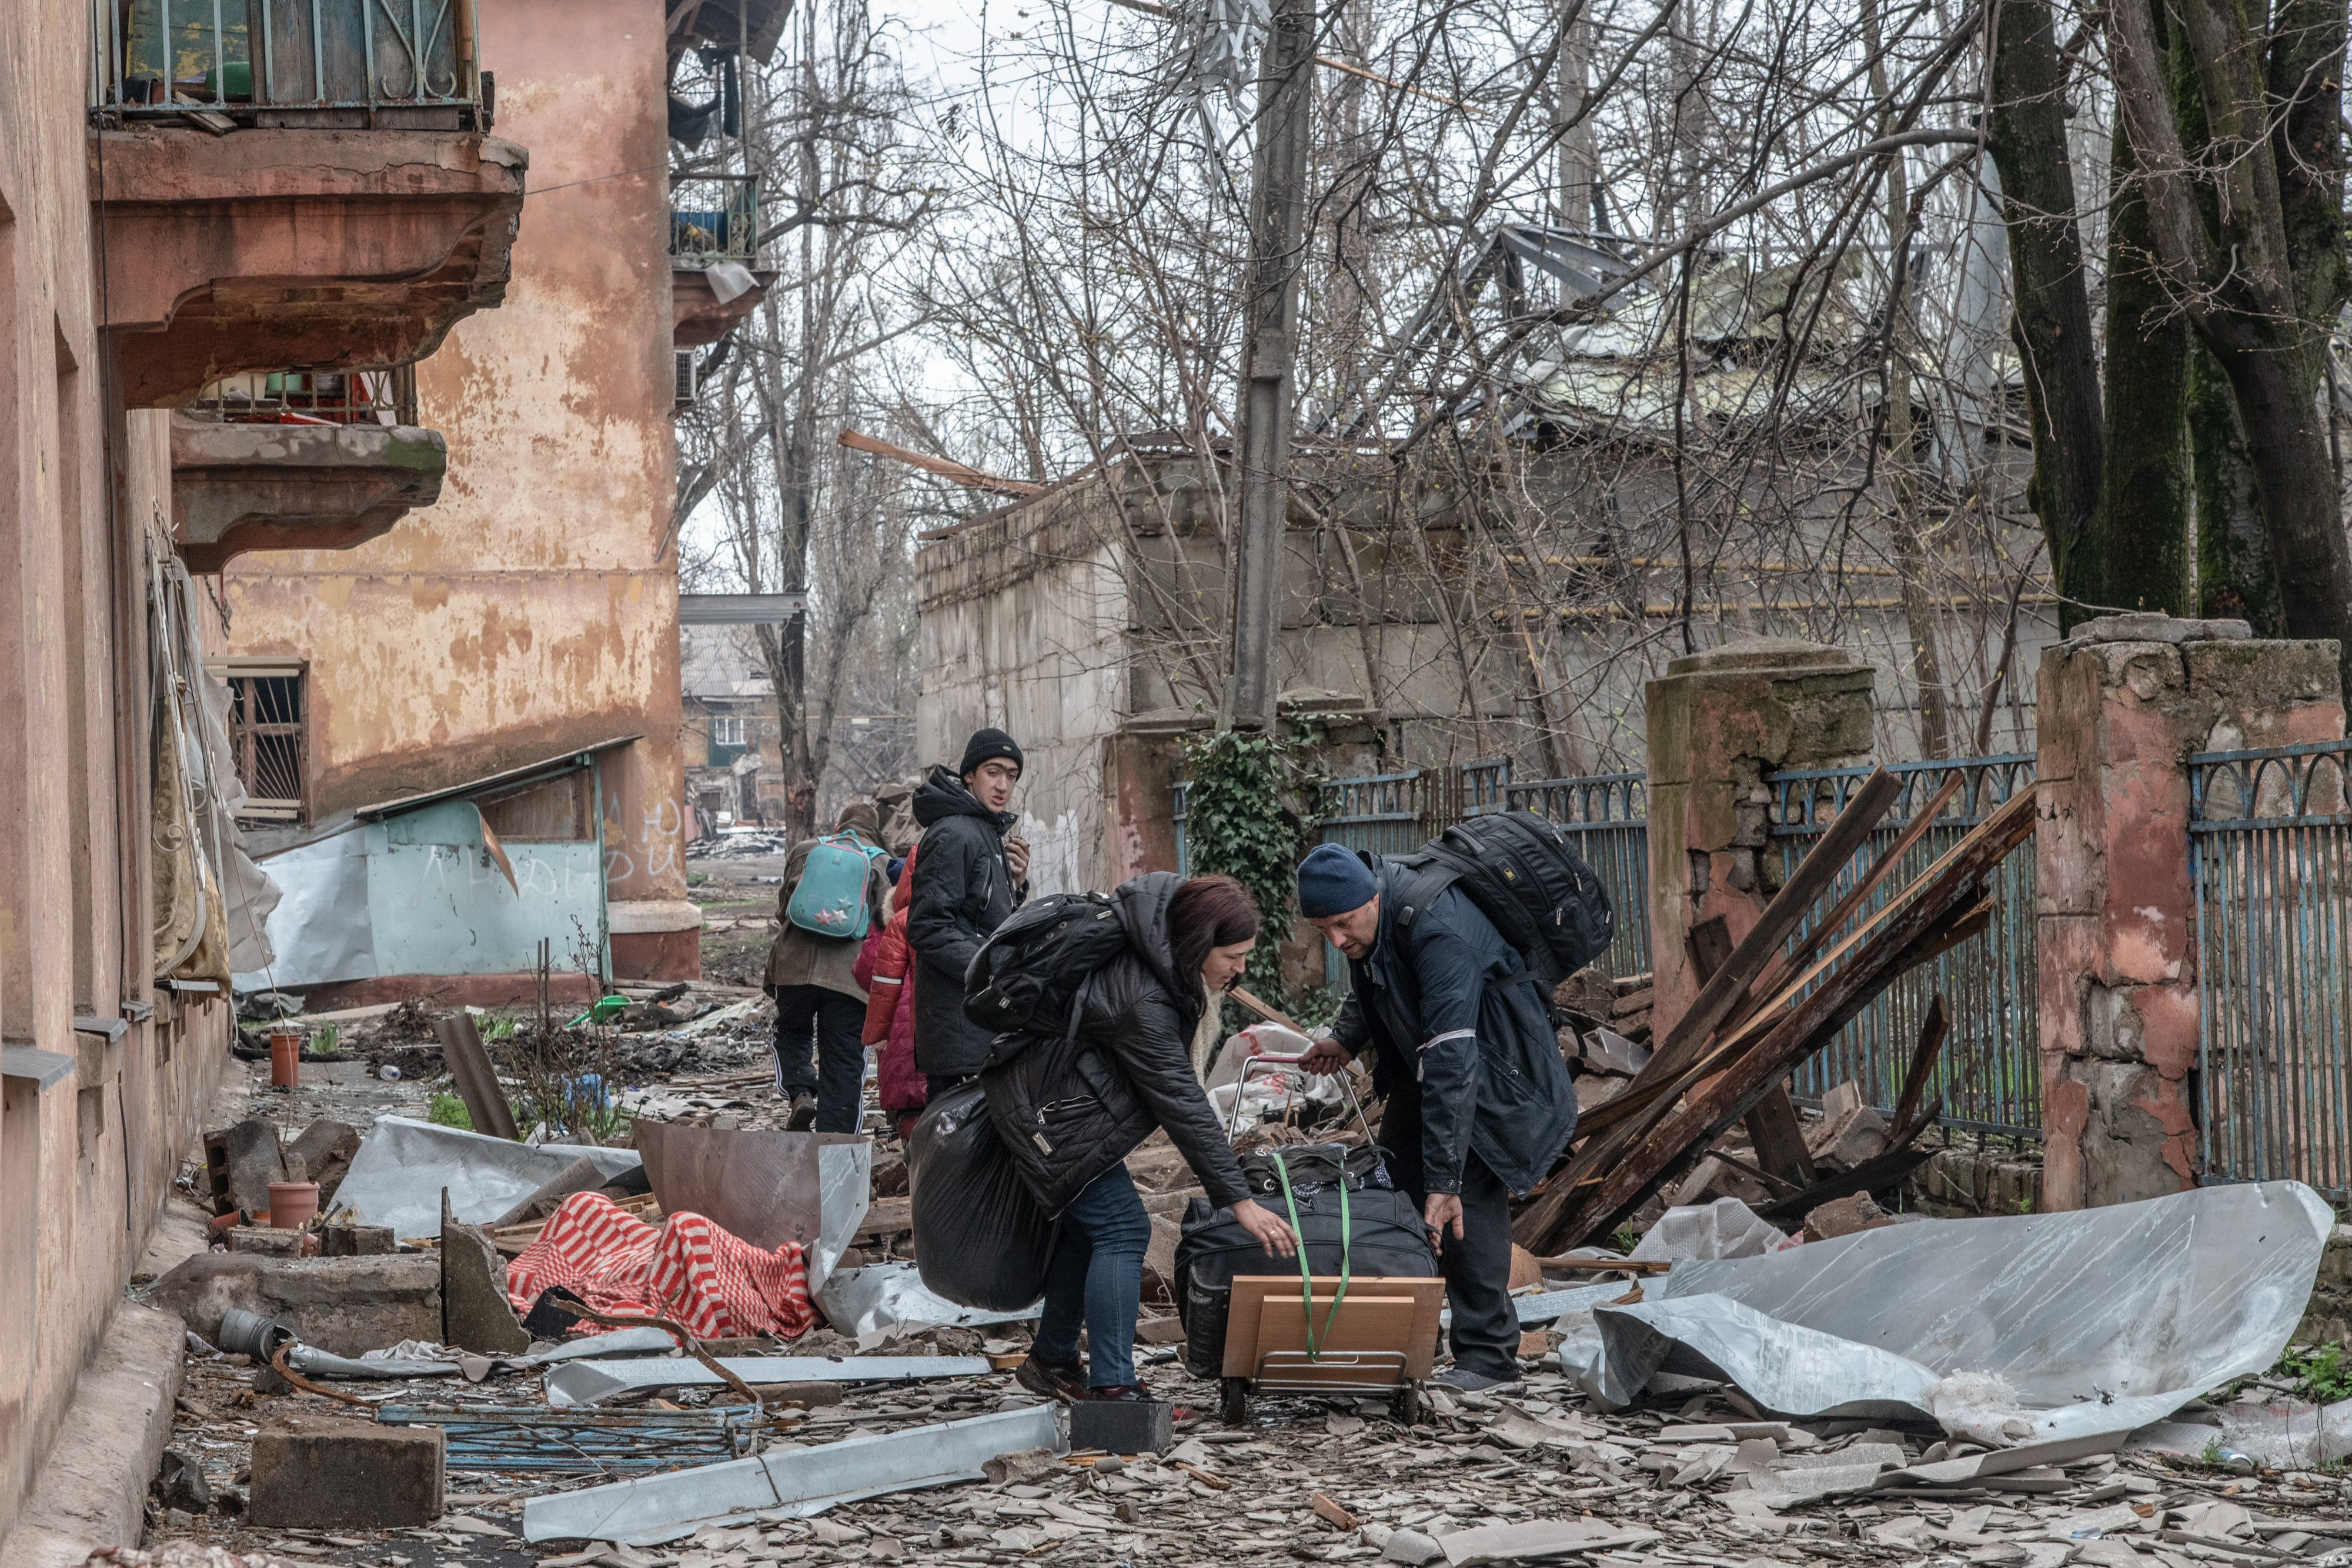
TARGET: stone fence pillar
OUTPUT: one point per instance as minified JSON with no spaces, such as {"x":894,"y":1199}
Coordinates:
{"x":1718,"y":722}
{"x":2121,"y":705}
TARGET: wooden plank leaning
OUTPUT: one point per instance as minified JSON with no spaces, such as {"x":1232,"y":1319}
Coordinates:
{"x":1644,"y":1101}
{"x":1944,"y":906}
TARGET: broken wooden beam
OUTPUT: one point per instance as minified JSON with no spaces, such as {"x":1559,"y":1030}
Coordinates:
{"x":1941,"y":908}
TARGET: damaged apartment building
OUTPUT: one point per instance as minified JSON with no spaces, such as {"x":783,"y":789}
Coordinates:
{"x":335,"y":504}
{"x":461,"y":714}
{"x":1498,"y":599}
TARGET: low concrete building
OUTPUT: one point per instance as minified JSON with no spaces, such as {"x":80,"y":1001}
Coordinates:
{"x":1091,"y":622}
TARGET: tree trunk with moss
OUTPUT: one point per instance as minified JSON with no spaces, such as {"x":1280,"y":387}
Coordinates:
{"x":2234,"y":576}
{"x":2252,"y":240}
{"x":2051,"y":311}
{"x":2140,"y":555}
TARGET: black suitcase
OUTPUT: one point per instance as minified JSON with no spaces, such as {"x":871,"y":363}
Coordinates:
{"x":1385,"y":1238}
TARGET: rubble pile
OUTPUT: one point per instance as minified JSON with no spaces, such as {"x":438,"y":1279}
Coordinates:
{"x":1688,"y":1476}
{"x":740,"y":843}
{"x":483,"y":1348}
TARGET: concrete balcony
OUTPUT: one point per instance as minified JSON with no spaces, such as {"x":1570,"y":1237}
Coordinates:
{"x":271,"y":249}
{"x":699,"y":315}
{"x":716,"y":279}
{"x":238,"y":487}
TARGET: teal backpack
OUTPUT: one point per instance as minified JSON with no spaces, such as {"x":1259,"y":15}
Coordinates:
{"x":829,"y":900}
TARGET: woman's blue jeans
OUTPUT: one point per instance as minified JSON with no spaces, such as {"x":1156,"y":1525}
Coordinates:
{"x":1096,"y":1279}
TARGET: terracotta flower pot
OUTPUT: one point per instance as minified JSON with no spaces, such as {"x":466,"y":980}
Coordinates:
{"x":293,"y":1204}
{"x":285,"y":1058}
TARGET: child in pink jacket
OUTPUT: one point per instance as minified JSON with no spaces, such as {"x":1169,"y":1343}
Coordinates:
{"x":882,"y":968}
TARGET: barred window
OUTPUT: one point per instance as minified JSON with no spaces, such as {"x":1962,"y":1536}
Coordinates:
{"x":267,"y":733}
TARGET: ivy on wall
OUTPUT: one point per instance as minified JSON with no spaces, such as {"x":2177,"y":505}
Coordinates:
{"x":1247,"y":817}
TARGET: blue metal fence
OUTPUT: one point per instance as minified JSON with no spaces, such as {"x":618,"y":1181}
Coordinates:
{"x":1989,"y":1072}
{"x":2270,"y":853}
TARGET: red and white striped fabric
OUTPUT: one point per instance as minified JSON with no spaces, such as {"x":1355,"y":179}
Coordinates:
{"x":713,"y":1283}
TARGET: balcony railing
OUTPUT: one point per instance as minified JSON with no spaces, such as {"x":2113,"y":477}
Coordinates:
{"x":360,"y":63}
{"x":305,"y":397}
{"x":714,"y":218}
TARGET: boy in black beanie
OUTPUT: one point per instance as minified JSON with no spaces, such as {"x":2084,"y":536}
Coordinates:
{"x":969,"y":876}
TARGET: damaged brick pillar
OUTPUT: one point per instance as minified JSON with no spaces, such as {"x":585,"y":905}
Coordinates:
{"x":2122,"y":705}
{"x":1718,"y":722}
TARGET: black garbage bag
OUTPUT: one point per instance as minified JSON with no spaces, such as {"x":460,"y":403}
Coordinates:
{"x":980,"y":1240}
{"x":1386,"y":1239}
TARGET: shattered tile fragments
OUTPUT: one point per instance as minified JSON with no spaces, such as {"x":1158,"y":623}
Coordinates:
{"x":1687,"y":1474}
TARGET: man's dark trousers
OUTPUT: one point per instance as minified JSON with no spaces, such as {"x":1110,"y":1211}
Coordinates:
{"x":1477,"y":1264}
{"x":832,"y":1020}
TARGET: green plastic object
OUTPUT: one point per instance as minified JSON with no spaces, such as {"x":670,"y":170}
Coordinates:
{"x":601,"y":1011}
{"x":239,"y":74}
{"x":1306,"y":1275}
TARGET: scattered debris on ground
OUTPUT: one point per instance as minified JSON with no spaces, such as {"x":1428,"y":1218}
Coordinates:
{"x":654,"y":1329}
{"x":863,"y":1439}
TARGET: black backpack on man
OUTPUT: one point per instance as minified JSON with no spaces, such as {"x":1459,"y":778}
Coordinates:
{"x":1524,"y":875}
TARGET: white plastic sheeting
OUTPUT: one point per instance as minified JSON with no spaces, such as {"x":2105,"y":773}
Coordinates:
{"x":396,"y":1177}
{"x":887,"y":1296}
{"x":2277,"y":1433}
{"x":1724,"y":1229}
{"x":2101,"y":1321}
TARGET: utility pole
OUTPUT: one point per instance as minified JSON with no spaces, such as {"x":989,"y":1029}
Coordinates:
{"x":1270,"y":325}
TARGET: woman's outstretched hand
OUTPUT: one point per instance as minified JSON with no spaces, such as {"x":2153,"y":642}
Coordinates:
{"x":1270,"y":1232}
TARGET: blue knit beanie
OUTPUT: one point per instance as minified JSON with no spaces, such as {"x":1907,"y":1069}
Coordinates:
{"x":1333,"y":881}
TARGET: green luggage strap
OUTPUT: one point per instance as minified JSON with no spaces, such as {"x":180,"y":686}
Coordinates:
{"x":1306,"y":1271}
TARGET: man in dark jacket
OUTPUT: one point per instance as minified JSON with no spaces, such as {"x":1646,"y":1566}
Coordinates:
{"x":1478,"y":1101}
{"x":968,"y":877}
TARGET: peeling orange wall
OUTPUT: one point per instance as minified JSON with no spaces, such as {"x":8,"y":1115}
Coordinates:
{"x":85,"y":1161}
{"x":525,"y":612}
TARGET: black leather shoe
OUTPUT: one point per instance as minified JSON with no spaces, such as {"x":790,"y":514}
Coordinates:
{"x":1051,"y":1380}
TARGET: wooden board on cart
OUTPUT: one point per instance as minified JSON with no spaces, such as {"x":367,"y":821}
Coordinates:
{"x":1395,"y":1315}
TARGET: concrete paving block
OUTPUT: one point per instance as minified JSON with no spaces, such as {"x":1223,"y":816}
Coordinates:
{"x":1123,"y":1425}
{"x":347,"y":1305}
{"x":342,"y":1475}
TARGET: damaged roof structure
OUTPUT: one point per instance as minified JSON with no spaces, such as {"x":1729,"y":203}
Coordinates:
{"x":486,"y":878}
{"x":1478,"y":601}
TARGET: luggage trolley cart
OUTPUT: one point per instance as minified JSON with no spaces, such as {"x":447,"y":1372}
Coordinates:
{"x":1328,"y":1334}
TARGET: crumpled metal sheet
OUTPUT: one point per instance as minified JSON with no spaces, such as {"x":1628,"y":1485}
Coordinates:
{"x":397,"y":1176}
{"x":567,"y":1387}
{"x":2102,"y":1320}
{"x":789,"y":1483}
{"x":767,"y":1187}
{"x":313,"y":1362}
{"x":884,"y":1295}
